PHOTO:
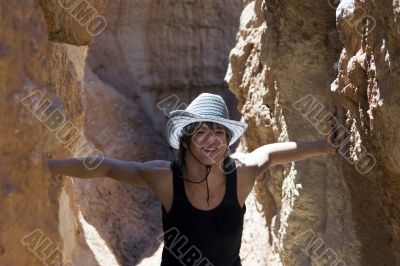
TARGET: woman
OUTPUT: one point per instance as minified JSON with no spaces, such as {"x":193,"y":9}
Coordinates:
{"x":202,"y":190}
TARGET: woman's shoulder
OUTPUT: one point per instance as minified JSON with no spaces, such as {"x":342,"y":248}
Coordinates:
{"x":157,"y":167}
{"x":159,"y":163}
{"x":159,"y":176}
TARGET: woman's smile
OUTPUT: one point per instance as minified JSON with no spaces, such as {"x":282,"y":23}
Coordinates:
{"x":210,"y":152}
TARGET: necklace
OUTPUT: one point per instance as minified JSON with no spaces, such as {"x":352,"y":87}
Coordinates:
{"x":208,"y":169}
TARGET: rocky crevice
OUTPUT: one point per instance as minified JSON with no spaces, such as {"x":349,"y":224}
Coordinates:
{"x":288,"y":56}
{"x":289,"y":51}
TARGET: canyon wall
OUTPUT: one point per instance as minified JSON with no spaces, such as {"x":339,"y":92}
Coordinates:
{"x":82,"y":78}
{"x":293,"y":58}
{"x":28,"y":196}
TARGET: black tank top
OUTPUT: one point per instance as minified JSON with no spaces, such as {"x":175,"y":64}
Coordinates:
{"x":203,"y":238}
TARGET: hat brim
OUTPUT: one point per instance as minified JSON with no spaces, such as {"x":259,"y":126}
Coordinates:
{"x":178,"y":119}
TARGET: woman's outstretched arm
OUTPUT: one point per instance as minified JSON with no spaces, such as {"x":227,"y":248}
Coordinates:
{"x":283,"y":152}
{"x":76,"y":167}
{"x":146,"y":174}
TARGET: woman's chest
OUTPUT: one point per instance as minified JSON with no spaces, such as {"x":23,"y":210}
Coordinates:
{"x":202,"y":200}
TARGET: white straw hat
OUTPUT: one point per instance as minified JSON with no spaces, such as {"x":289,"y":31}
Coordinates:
{"x":205,"y":107}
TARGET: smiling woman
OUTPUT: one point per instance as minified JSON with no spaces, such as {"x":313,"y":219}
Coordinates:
{"x":202,"y":133}
{"x":215,"y":228}
{"x":203,"y":206}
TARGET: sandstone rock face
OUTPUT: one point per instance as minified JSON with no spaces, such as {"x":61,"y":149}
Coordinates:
{"x":86,"y":78}
{"x":153,"y":49}
{"x":28,"y":197}
{"x":292,"y":57}
{"x":105,"y":96}
{"x":367,"y":87}
{"x":74,"y":21}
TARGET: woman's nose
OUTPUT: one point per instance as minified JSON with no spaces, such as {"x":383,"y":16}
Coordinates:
{"x":210,"y":135}
{"x":211,"y":138}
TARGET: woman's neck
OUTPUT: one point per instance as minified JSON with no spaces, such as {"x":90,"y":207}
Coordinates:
{"x":197,"y":173}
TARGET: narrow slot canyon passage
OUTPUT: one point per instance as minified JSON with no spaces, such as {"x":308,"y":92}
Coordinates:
{"x":98,"y":79}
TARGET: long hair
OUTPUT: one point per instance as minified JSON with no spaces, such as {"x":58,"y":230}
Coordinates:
{"x":186,"y":137}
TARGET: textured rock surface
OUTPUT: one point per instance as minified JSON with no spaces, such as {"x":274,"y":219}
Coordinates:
{"x":74,"y":21}
{"x":111,"y":104}
{"x":153,"y":49}
{"x":324,"y":206}
{"x":331,"y":210}
{"x":28,"y":197}
{"x":128,"y":219}
{"x":367,"y":87}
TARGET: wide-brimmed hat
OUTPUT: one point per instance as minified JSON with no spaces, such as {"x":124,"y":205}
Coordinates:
{"x":206,"y":107}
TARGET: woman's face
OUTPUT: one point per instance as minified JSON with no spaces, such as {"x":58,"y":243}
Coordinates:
{"x":209,"y":144}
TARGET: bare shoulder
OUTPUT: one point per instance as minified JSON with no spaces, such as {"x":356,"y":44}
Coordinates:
{"x":160,"y":167}
{"x":159,"y":176}
{"x":158,"y":163}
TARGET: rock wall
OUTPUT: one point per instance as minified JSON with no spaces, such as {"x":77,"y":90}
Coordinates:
{"x":86,"y":77}
{"x":95,"y":70}
{"x":28,"y":195}
{"x":292,"y":58}
{"x":154,"y":49}
{"x":367,"y":87}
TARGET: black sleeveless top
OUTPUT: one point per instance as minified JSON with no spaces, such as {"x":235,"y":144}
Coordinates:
{"x":199,"y":237}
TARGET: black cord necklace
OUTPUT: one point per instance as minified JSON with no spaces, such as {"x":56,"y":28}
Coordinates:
{"x":208,"y":169}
